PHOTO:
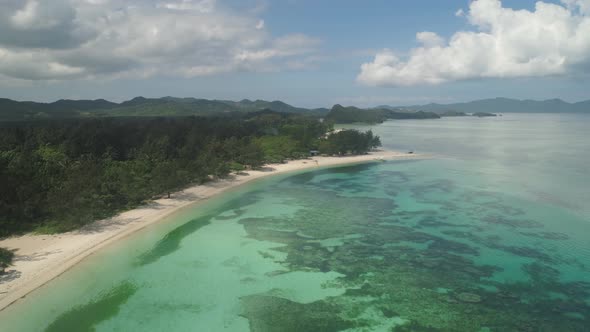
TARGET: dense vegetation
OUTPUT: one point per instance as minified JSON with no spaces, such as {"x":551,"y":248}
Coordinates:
{"x":6,"y":257}
{"x":59,"y":175}
{"x":349,"y":141}
{"x":11,"y":110}
{"x":341,"y":114}
{"x":450,"y":113}
{"x":483,"y":114}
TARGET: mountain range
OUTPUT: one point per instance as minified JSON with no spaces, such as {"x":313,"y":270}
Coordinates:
{"x":11,"y":110}
{"x":505,"y":105}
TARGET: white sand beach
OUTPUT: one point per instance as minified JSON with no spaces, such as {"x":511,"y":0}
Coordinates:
{"x":41,"y":258}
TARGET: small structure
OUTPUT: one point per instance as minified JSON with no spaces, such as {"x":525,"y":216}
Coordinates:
{"x":314,"y":153}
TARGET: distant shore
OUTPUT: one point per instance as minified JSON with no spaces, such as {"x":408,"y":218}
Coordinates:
{"x":41,"y":258}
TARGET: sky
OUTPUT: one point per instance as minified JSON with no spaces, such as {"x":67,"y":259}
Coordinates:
{"x":310,"y":53}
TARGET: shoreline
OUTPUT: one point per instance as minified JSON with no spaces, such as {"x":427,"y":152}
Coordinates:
{"x":41,"y":258}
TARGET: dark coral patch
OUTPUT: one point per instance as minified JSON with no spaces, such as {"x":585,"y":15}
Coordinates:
{"x":269,"y":313}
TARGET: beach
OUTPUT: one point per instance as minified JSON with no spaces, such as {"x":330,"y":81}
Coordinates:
{"x":41,"y":258}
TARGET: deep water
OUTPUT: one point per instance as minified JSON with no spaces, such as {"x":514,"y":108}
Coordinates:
{"x":492,"y":234}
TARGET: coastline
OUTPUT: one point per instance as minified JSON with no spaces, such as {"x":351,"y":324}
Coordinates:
{"x":41,"y":258}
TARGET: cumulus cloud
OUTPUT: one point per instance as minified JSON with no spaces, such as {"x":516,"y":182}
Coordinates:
{"x":430,"y":39}
{"x":50,"y":24}
{"x":260,"y":24}
{"x":73,"y":39}
{"x":582,"y":5}
{"x":204,"y":6}
{"x":553,"y":39}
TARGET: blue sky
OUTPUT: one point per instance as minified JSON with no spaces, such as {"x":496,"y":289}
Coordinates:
{"x":307,"y":53}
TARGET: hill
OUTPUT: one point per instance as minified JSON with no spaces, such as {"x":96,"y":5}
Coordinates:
{"x":11,"y":110}
{"x":507,"y":105}
{"x":351,"y":114}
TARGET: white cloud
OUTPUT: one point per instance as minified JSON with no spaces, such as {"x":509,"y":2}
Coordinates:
{"x":551,"y":40}
{"x":295,"y":49}
{"x":582,"y":5}
{"x":79,"y":39}
{"x":25,"y":16}
{"x":430,"y":39}
{"x":203,"y":6}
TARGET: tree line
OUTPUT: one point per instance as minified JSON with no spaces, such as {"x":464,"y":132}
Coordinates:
{"x":6,"y":257}
{"x":59,"y":175}
{"x":351,"y":114}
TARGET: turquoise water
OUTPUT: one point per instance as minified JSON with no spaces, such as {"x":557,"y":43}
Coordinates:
{"x":491,"y":235}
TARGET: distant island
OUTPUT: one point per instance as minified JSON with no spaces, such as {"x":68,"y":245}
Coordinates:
{"x":506,"y":105}
{"x":451,"y":113}
{"x":483,"y":114}
{"x":351,"y":114}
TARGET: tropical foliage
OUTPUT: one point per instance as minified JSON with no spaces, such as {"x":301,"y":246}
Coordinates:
{"x":349,"y":141}
{"x":57,"y":176}
{"x":341,"y":114}
{"x":6,"y":257}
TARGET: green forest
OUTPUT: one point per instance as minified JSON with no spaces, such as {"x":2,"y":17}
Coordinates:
{"x":351,"y":114}
{"x":58,"y":175}
{"x":6,"y":257}
{"x":12,"y":110}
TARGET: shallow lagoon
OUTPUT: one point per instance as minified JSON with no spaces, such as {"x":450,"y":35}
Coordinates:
{"x":492,"y":235}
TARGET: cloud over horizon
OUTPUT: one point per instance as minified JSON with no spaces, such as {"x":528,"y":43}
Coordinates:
{"x":80,"y":39}
{"x":553,"y":39}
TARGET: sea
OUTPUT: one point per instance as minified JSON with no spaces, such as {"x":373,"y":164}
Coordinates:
{"x":489,"y":230}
